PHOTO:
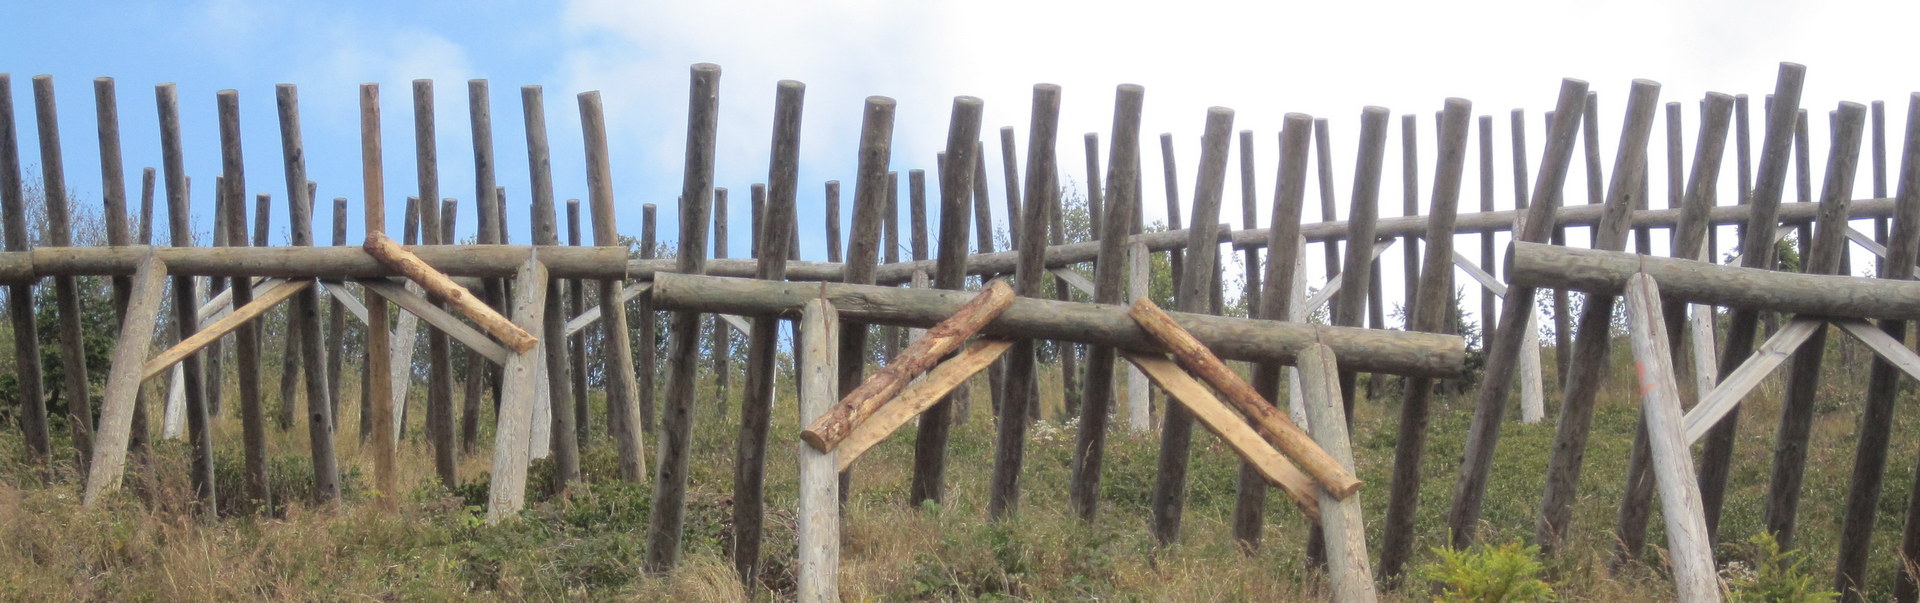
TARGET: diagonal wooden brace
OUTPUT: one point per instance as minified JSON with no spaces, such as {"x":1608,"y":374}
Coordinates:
{"x":826,"y":432}
{"x":123,"y":380}
{"x":442,"y":288}
{"x":918,"y":397}
{"x":1223,"y":422}
{"x":1268,"y":420}
{"x":220,"y":328}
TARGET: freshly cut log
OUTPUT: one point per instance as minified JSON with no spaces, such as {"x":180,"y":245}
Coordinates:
{"x":827,"y":431}
{"x":1366,"y":350}
{"x":1223,"y":422}
{"x":917,"y":398}
{"x":443,"y":289}
{"x":1266,"y":418}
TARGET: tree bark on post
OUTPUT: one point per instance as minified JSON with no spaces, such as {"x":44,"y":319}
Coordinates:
{"x":186,"y":301}
{"x":1003,"y":500}
{"x":621,"y":385}
{"x":439,"y":349}
{"x":1176,"y":434}
{"x":665,"y":520}
{"x":1716,"y":457}
{"x":722,"y":334}
{"x":66,"y":288}
{"x":957,"y":178}
{"x":756,"y":409}
{"x":1491,"y":406}
{"x":1593,"y":337}
{"x":246,"y":343}
{"x":1089,"y":449}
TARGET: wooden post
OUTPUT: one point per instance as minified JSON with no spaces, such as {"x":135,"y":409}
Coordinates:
{"x":138,"y":443}
{"x":1249,"y":215}
{"x":1410,"y":206}
{"x":20,"y":294}
{"x":1083,"y":494}
{"x":1716,"y":457}
{"x":648,"y":350}
{"x":818,"y":525}
{"x":1593,"y":335}
{"x":1171,"y":177}
{"x":1432,"y":311}
{"x":246,"y":341}
{"x":1277,"y":303}
{"x":1488,"y":314}
{"x":1066,"y":354}
{"x":1803,"y":379}
{"x":113,"y":196}
{"x":66,"y":288}
{"x":1003,"y":499}
{"x":577,"y":344}
{"x":1689,"y":239}
{"x":508,"y":488}
{"x":1346,"y":551}
{"x":565,"y":443}
{"x":1688,"y":544}
{"x":337,"y":321}
{"x":622,"y":387}
{"x":439,"y":350}
{"x":983,"y":232}
{"x":1491,"y":406}
{"x":960,"y":174}
{"x":186,"y":300}
{"x":722,"y":336}
{"x":379,"y":346}
{"x":1096,"y":200}
{"x":1176,"y":434}
{"x":123,"y":381}
{"x":871,"y":189}
{"x":756,"y":409}
{"x":676,"y":425}
{"x":833,"y":221}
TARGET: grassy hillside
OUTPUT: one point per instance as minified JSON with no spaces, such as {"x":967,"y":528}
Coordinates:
{"x":145,"y":545}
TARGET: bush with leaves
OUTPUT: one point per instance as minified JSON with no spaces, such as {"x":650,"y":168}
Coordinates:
{"x":1488,"y":574}
{"x":1763,"y":572}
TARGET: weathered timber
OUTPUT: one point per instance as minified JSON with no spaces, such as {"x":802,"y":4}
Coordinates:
{"x":379,"y":346}
{"x":240,"y":316}
{"x":818,"y":525}
{"x":1010,"y":435}
{"x":1688,"y":544}
{"x":1490,"y":407}
{"x":1594,"y":337}
{"x":563,"y":437}
{"x":624,"y":390}
{"x":436,"y":231}
{"x":1367,"y":350}
{"x":940,"y":340}
{"x":185,"y":300}
{"x":305,"y":311}
{"x":441,"y":288}
{"x":1606,"y":272}
{"x":58,"y":232}
{"x":666,"y":519}
{"x":1346,"y":553}
{"x":123,"y":383}
{"x":434,"y":315}
{"x":113,"y":196}
{"x":508,"y":489}
{"x":1110,"y":272}
{"x":964,"y":166}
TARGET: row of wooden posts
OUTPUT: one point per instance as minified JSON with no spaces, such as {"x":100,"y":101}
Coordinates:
{"x":527,"y":289}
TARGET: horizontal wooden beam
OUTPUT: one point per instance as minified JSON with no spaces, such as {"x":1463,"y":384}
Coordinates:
{"x":1364,"y":350}
{"x":1606,"y":273}
{"x":444,"y":290}
{"x":327,"y":263}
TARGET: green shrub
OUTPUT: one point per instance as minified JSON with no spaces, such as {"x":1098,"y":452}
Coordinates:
{"x":1763,"y":572}
{"x":1488,"y":574}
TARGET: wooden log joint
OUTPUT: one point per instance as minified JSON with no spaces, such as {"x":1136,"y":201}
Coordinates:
{"x":1268,"y":420}
{"x":441,"y":288}
{"x":826,"y":432}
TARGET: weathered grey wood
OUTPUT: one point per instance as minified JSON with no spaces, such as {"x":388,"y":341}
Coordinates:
{"x":1489,"y":315}
{"x":1096,"y":198}
{"x":330,"y":263}
{"x":1139,"y":408}
{"x":405,"y":334}
{"x":1716,"y":457}
{"x":1410,"y":207}
{"x":1605,"y":273}
{"x":1736,"y":383}
{"x":113,"y":196}
{"x":1688,"y":545}
{"x":1803,"y":376}
{"x":415,"y":303}
{"x":1490,"y":407}
{"x":215,"y":354}
{"x":756,"y":408}
{"x":1067,"y":355}
{"x":873,"y":186}
{"x":647,"y":350}
{"x":1876,"y":415}
{"x":833,"y":221}
{"x":1003,"y":499}
{"x":66,"y":289}
{"x":1363,"y":250}
{"x":1323,"y":159}
{"x":1367,"y":350}
{"x":1074,"y":279}
{"x":1431,"y":313}
{"x":140,"y":440}
{"x":1689,"y":240}
{"x":623,"y":388}
{"x":592,"y":315}
{"x":958,"y":177}
{"x":1249,"y":214}
{"x":246,"y":341}
{"x":818,"y":523}
{"x":1110,"y":274}
{"x":1326,"y":294}
{"x":507,"y":491}
{"x":123,"y":381}
{"x":577,"y":344}
{"x":665,"y":519}
{"x":563,"y":436}
{"x":1171,"y":177}
{"x":440,"y":430}
{"x":722,"y":339}
{"x":186,"y":297}
{"x":1347,"y":566}
{"x":379,"y":390}
{"x":1593,"y":337}
{"x":1176,"y":431}
{"x":1893,"y":351}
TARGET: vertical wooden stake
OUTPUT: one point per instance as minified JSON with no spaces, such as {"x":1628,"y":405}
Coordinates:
{"x":818,"y":529}
{"x":1109,"y":288}
{"x":1688,"y":543}
{"x":123,"y":383}
{"x":956,"y":180}
{"x":623,"y":388}
{"x":186,"y":300}
{"x":1340,"y":519}
{"x":508,"y":490}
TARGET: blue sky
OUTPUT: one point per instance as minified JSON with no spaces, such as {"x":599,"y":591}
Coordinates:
{"x":1262,"y":59}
